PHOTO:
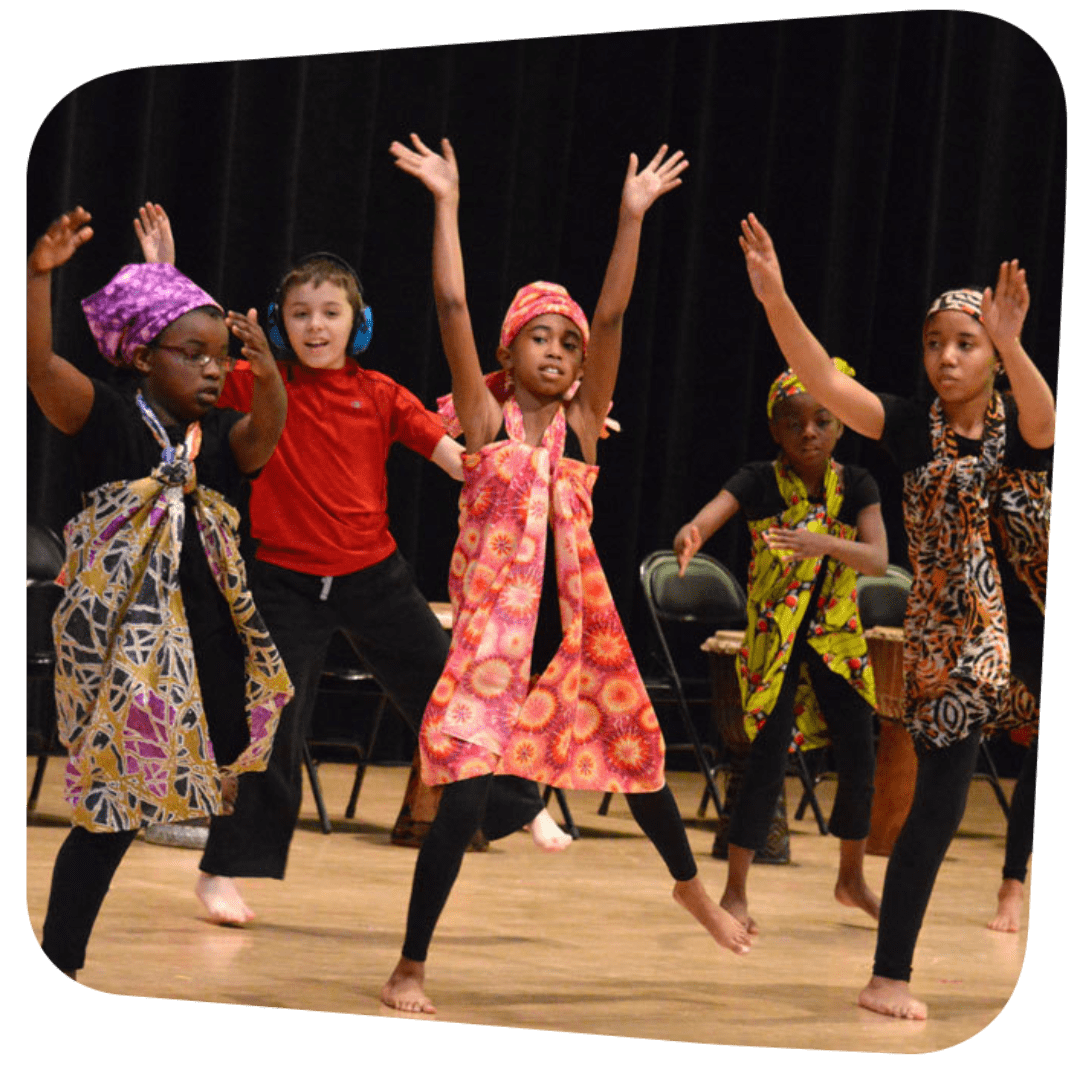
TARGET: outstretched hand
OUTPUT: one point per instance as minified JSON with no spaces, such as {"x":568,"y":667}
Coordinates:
{"x":61,"y":240}
{"x":254,"y":346}
{"x":1005,"y":307}
{"x":686,"y":545}
{"x":642,"y":189}
{"x":155,"y":234}
{"x":762,"y":264}
{"x":438,"y":173}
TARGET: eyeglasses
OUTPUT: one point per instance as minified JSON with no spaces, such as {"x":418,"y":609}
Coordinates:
{"x":199,"y":360}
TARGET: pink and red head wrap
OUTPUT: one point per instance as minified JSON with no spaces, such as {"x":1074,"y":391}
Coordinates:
{"x":787,"y":384}
{"x":140,"y":301}
{"x":542,"y":298}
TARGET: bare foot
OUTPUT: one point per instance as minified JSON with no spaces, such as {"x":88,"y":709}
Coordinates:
{"x":725,"y":929}
{"x":547,"y":835}
{"x":857,"y":894}
{"x":222,"y":900}
{"x":404,"y":989}
{"x":891,"y":997}
{"x":736,"y":906}
{"x":1010,"y":903}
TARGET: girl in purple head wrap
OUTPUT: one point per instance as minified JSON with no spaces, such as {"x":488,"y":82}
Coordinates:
{"x":194,"y":683}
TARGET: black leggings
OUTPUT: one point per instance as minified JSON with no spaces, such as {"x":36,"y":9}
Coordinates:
{"x":84,"y":867}
{"x":849,"y":719}
{"x":1021,"y":828}
{"x":87,"y":861}
{"x":941,"y":788}
{"x":463,"y":808}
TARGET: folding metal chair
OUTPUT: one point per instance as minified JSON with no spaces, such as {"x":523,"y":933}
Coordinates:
{"x":44,"y":560}
{"x":344,"y":672}
{"x":709,"y":594}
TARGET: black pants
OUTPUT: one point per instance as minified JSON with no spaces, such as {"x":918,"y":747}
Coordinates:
{"x":849,"y":719}
{"x":1021,"y":828}
{"x":1025,"y":647}
{"x":463,"y":808}
{"x":937,"y":808}
{"x":82,"y":873}
{"x":390,"y":623}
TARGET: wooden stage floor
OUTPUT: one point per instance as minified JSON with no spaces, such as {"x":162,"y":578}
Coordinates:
{"x":588,"y":941}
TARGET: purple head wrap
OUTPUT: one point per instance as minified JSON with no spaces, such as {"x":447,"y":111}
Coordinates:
{"x":140,"y":301}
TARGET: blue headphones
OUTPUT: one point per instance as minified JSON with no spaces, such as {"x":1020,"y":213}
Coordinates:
{"x":359,"y":336}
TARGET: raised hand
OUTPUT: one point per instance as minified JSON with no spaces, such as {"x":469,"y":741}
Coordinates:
{"x":155,"y":234}
{"x":61,"y":240}
{"x":438,"y":173}
{"x":254,"y":346}
{"x":1005,"y":307}
{"x":642,"y":189}
{"x":762,"y":265}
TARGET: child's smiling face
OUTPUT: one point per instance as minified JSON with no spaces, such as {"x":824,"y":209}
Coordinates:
{"x":318,"y":321}
{"x":806,"y":433}
{"x":546,"y":356}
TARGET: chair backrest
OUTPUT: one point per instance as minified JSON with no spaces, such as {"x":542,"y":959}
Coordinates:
{"x":883,"y":599}
{"x":44,"y":560}
{"x":44,"y":553}
{"x":708,"y":592}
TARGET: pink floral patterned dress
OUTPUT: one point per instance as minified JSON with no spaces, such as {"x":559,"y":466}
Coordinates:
{"x":586,"y":722}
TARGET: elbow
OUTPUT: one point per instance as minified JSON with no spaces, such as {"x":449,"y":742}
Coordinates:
{"x":879,"y":561}
{"x":449,"y":305}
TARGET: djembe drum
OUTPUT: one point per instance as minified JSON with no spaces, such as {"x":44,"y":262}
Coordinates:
{"x":723,"y":649}
{"x":894,"y":776}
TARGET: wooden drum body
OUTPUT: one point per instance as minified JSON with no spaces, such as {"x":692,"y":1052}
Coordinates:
{"x":894,"y":778}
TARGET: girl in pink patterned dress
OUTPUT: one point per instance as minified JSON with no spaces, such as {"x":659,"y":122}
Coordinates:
{"x":554,"y":696}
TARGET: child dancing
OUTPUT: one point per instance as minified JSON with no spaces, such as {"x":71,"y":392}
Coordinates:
{"x":161,"y":654}
{"x":326,"y":560}
{"x":977,"y":512}
{"x":815,"y":525}
{"x":540,"y":681}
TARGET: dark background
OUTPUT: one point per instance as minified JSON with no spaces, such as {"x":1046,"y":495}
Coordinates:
{"x":890,"y":155}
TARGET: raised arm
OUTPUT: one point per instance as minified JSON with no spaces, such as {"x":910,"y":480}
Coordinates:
{"x":254,"y":436}
{"x":716,"y":513}
{"x":1004,"y":309}
{"x":847,"y":399}
{"x":640,"y":190}
{"x":477,"y":410}
{"x":64,"y":394}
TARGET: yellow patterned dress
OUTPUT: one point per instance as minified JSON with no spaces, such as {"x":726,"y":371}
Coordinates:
{"x":779,"y":594}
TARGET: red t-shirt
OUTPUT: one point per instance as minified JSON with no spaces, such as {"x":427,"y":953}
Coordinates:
{"x":319,"y":504}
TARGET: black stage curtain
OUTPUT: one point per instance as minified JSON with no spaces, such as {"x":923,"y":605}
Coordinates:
{"x":890,"y":155}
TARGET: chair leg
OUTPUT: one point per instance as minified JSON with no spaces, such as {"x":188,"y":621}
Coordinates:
{"x":316,"y":789}
{"x":361,"y":766}
{"x":808,"y":792}
{"x":991,"y":775}
{"x":711,"y":790}
{"x":35,"y":786}
{"x":605,"y":803}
